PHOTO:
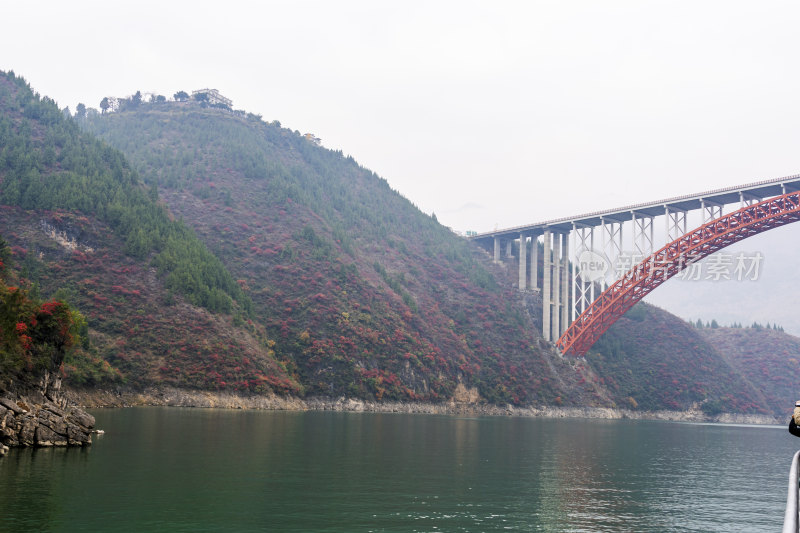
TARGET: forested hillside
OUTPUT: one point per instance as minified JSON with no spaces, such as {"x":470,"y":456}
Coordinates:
{"x":365,"y":295}
{"x":37,"y":337}
{"x":83,"y":228}
{"x":368,"y":297}
{"x":224,"y":253}
{"x":653,"y":360}
{"x":769,"y":360}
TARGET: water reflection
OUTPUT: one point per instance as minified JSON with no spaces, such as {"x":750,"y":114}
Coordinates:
{"x":31,"y":495}
{"x":215,"y":470}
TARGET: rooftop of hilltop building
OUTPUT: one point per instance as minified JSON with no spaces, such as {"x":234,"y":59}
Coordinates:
{"x":203,"y":97}
{"x":212,"y":96}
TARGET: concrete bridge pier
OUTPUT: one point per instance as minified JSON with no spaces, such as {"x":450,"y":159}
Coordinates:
{"x":497,"y":249}
{"x":523,"y":261}
{"x":534,"y":261}
{"x":555,"y":323}
{"x":529,"y":273}
{"x":547,"y":271}
{"x":555,"y":285}
{"x":565,"y":285}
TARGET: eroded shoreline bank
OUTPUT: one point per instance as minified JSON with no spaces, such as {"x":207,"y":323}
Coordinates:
{"x":171,"y":397}
{"x":40,"y":417}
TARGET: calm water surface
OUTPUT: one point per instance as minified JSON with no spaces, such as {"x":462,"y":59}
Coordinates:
{"x":169,"y":469}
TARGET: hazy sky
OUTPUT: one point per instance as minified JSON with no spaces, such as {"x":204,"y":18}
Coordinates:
{"x":490,"y":114}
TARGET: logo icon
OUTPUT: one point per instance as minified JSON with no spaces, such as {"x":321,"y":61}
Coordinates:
{"x":592,"y":266}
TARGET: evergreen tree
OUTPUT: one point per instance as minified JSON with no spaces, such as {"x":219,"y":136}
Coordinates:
{"x":97,"y":180}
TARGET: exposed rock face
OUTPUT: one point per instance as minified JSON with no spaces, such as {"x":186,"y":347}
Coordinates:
{"x":31,"y":417}
{"x":24,"y":423}
{"x":206,"y":399}
{"x":465,"y":395}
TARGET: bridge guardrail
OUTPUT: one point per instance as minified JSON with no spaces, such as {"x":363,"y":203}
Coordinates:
{"x":635,"y":207}
{"x":790,"y":517}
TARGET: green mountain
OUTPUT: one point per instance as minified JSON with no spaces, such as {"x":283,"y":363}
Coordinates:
{"x":83,"y":228}
{"x":364,"y":295}
{"x":653,"y":360}
{"x":211,"y":250}
{"x":35,"y":337}
{"x":768,"y":359}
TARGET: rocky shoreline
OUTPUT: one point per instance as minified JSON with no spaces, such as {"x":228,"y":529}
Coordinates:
{"x":38,"y":418}
{"x":172,"y":397}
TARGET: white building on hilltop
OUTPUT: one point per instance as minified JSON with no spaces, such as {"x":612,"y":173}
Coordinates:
{"x":213,"y":97}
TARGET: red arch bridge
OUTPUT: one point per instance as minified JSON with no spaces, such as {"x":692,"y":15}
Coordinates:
{"x":586,"y":287}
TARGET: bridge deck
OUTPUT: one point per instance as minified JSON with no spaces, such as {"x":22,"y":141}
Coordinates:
{"x":690,"y":202}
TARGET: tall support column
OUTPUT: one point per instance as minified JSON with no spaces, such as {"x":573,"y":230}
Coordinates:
{"x":574,"y":277}
{"x":642,"y":238}
{"x":747,"y":199}
{"x":591,"y":285}
{"x":546,"y":272}
{"x":675,"y":223}
{"x":534,"y":261}
{"x":523,"y":261}
{"x":710,"y":210}
{"x":557,"y":275}
{"x":497,"y":249}
{"x":565,"y":284}
{"x":611,"y":230}
{"x":508,"y":249}
{"x":582,"y":282}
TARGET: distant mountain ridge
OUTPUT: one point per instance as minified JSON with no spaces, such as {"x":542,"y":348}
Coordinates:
{"x":768,"y":359}
{"x":653,"y":360}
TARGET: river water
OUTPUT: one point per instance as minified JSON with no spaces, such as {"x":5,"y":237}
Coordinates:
{"x":171,"y":469}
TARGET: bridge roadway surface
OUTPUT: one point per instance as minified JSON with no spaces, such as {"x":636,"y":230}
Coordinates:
{"x":690,"y":202}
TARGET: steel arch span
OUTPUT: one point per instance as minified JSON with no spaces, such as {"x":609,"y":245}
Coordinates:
{"x":701,"y":242}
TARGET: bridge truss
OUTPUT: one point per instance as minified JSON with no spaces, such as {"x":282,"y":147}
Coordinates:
{"x":640,"y":280}
{"x":580,"y":304}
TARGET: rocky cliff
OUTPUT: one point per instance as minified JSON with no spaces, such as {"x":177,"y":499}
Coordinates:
{"x":37,"y":415}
